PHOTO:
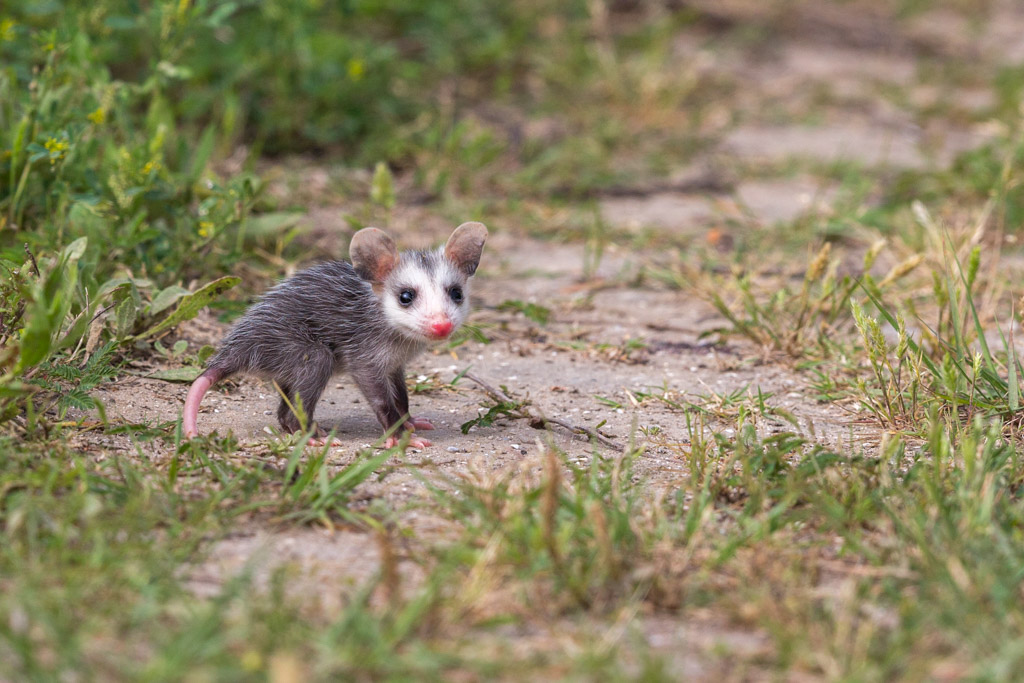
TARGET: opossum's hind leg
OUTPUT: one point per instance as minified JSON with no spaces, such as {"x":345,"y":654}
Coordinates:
{"x":284,"y":411}
{"x":307,"y":381}
{"x":202,"y":384}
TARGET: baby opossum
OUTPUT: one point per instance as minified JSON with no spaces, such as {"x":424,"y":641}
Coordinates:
{"x":367,"y":318}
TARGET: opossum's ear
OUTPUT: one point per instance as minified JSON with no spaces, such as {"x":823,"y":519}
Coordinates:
{"x":373,"y":254}
{"x":465,"y":246}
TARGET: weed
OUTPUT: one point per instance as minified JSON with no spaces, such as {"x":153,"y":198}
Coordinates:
{"x":577,"y":531}
{"x":534,"y":312}
{"x":629,"y":351}
{"x":507,"y":409}
{"x":952,"y":367}
{"x":58,"y":309}
{"x":316,"y":494}
{"x":797,"y":323}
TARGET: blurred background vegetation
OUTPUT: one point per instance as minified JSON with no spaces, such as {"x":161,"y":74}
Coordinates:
{"x":138,"y":126}
{"x":111,"y":111}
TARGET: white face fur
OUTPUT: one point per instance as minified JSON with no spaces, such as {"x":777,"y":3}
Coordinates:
{"x":425,"y":297}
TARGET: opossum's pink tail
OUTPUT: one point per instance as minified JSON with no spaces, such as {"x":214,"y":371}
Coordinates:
{"x":196,"y":392}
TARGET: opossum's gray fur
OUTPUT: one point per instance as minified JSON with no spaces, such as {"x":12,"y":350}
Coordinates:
{"x":321,"y":321}
{"x":329,"y":319}
{"x":326,"y":310}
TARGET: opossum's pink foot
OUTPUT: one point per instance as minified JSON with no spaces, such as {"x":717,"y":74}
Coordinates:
{"x":420,"y":423}
{"x":414,"y":442}
{"x":321,"y":439}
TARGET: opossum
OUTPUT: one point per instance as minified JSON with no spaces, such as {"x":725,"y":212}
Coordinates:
{"x":367,"y":318}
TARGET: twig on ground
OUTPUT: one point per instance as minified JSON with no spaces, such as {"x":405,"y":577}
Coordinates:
{"x":540,"y":421}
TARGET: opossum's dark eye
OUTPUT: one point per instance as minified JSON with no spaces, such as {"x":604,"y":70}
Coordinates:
{"x":406,"y":297}
{"x":456,"y":294}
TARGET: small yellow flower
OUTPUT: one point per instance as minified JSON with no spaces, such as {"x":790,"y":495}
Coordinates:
{"x":151,"y":166}
{"x":57,"y":149}
{"x":356,"y":68}
{"x":205,"y":229}
{"x":98,"y":116}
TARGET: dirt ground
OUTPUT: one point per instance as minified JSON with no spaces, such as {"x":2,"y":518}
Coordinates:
{"x":581,"y":354}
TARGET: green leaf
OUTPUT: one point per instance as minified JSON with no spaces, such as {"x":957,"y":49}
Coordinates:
{"x":50,"y":305}
{"x":116,"y":282}
{"x":73,"y":252}
{"x":205,"y":352}
{"x":35,"y":339}
{"x":190,"y":305}
{"x":272,"y":223}
{"x":124,"y":315}
{"x":202,"y":154}
{"x":185,"y":374}
{"x":165,"y":298}
{"x":18,"y":147}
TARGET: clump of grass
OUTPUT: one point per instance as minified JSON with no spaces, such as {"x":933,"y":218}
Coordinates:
{"x":64,"y":329}
{"x":570,"y":524}
{"x":921,"y":543}
{"x":803,"y":323}
{"x":952,"y":367}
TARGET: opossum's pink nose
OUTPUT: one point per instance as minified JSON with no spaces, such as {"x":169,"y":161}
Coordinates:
{"x":441,"y":328}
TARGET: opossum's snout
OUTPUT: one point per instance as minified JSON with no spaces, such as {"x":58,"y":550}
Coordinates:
{"x":440,"y":328}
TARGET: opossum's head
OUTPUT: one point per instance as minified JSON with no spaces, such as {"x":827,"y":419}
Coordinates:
{"x":424,"y":294}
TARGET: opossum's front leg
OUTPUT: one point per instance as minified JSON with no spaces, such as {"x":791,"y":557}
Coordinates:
{"x":400,"y":399}
{"x":401,"y":395}
{"x":389,"y":403}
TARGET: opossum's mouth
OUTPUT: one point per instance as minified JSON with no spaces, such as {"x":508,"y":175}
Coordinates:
{"x":432,"y":336}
